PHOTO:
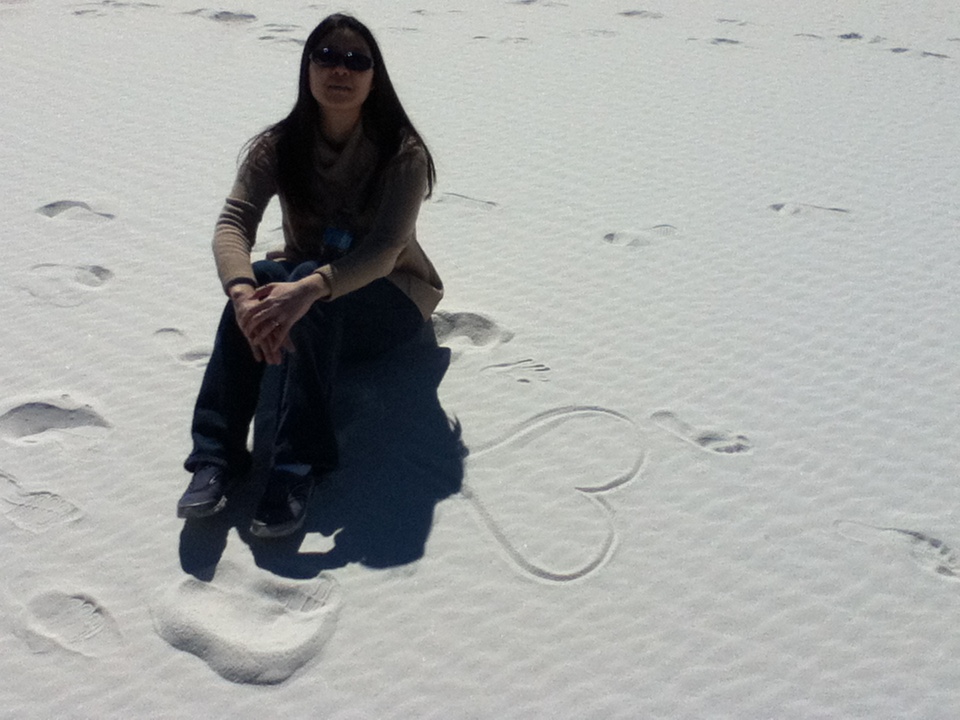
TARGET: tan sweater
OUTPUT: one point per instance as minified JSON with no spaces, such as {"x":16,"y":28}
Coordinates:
{"x":380,"y":216}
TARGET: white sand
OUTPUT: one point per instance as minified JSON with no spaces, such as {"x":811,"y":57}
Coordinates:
{"x":702,"y":316}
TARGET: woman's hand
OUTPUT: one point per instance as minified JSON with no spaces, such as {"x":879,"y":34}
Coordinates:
{"x":269,"y":312}
{"x":244,"y":306}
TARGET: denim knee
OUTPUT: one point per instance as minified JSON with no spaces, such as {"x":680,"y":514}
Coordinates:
{"x":268,"y":271}
{"x":303,"y":270}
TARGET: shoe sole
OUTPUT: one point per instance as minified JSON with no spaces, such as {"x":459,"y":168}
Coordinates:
{"x":269,"y":532}
{"x":193,"y":512}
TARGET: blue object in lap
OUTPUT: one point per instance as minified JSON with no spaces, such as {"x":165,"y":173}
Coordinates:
{"x":336,"y":238}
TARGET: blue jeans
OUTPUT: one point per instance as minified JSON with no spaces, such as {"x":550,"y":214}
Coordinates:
{"x":358,"y":326}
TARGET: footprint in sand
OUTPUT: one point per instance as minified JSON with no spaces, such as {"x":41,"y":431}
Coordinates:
{"x":538,"y":489}
{"x":247,"y":625}
{"x":805,"y":209}
{"x":930,"y":553}
{"x":642,"y":238}
{"x":70,"y":621}
{"x":465,"y":201}
{"x":35,"y":511}
{"x":281,"y":33}
{"x":65,"y":285}
{"x":468,"y":331}
{"x":99,"y":9}
{"x":876,"y":40}
{"x":31,"y":421}
{"x":523,"y":371}
{"x":595,"y":33}
{"x":717,"y":441}
{"x":178,"y":346}
{"x":223,"y":16}
{"x":642,"y":14}
{"x":76,"y":209}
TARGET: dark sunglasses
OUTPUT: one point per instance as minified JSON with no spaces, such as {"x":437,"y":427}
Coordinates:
{"x":325,"y":57}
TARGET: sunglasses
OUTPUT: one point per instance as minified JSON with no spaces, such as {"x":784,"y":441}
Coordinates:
{"x":327,"y":58}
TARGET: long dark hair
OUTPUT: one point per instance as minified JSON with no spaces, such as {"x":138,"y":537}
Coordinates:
{"x":384,"y":120}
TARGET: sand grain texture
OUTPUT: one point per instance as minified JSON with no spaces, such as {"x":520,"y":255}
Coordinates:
{"x":700,"y":343}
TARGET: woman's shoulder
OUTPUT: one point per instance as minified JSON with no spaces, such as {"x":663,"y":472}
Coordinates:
{"x":410,"y":152}
{"x":257,"y":168}
{"x":411,"y":163}
{"x":411,"y":144}
{"x":262,"y":147}
{"x":258,"y":159}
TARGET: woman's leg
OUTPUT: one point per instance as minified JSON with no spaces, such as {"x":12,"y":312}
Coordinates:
{"x":361,"y":325}
{"x":229,"y":392}
{"x":377,"y":318}
{"x":304,"y":433}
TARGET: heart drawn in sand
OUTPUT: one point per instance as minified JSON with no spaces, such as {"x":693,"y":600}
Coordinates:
{"x":538,"y":489}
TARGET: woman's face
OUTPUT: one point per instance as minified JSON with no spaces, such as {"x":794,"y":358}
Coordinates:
{"x":336,"y":88}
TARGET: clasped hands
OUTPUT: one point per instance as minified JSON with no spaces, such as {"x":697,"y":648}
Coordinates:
{"x":267,"y":313}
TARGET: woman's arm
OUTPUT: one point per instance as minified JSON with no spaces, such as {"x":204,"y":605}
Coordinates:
{"x":236,"y":234}
{"x":236,"y":230}
{"x":405,"y":184}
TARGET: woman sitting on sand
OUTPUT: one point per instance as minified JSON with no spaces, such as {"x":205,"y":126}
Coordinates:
{"x":352,"y":282}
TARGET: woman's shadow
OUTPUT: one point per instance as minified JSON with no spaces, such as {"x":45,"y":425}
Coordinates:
{"x":399,"y":456}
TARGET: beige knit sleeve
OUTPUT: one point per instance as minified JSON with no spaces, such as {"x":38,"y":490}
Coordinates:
{"x":236,"y":229}
{"x":375,"y":256}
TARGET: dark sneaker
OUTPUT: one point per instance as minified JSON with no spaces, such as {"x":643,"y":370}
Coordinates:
{"x":204,"y":496}
{"x":283,"y":507}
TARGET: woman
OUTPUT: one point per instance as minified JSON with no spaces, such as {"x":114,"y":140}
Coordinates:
{"x":352,"y":282}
